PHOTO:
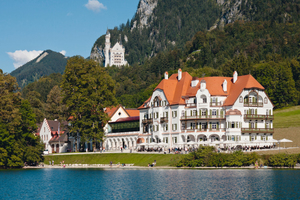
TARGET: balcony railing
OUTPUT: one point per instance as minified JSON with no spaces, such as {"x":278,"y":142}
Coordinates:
{"x":203,"y":117}
{"x":202,"y":130}
{"x":215,"y":104}
{"x":193,"y":105}
{"x":164,"y":120}
{"x":147,"y":121}
{"x":253,"y":104}
{"x":257,"y":130}
{"x":262,"y":117}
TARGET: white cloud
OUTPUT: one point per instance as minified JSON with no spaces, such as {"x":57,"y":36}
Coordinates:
{"x":21,"y":57}
{"x":95,"y":6}
{"x":63,"y":52}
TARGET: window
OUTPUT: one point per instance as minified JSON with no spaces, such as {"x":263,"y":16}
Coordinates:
{"x":203,"y":126}
{"x":250,"y":100}
{"x":44,"y":129}
{"x":156,"y":115}
{"x":165,"y":102}
{"x":241,"y":99}
{"x":214,"y":99}
{"x":194,"y":113}
{"x":214,"y":126}
{"x":166,"y":127}
{"x":174,"y":114}
{"x":252,"y":111}
{"x":266,"y":100}
{"x":157,"y":128}
{"x":252,"y":125}
{"x":193,"y":125}
{"x":174,"y":127}
{"x":165,"y":140}
{"x":232,"y":125}
{"x":267,"y":112}
{"x":150,"y":115}
{"x":174,"y":140}
{"x":182,"y":113}
{"x":267,"y":125}
{"x":214,"y":112}
{"x":183,"y":126}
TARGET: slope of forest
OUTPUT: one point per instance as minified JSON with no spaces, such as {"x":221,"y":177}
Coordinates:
{"x":173,"y":22}
{"x":46,"y":63}
{"x":269,"y":51}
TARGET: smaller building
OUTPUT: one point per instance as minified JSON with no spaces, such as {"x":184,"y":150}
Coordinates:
{"x":122,"y":129}
{"x":54,"y":136}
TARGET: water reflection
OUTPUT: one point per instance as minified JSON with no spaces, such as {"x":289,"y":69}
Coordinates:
{"x":149,"y":184}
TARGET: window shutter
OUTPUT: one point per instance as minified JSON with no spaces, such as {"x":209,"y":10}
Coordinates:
{"x":236,"y":125}
{"x":255,"y":125}
{"x":200,"y":113}
{"x":221,"y":113}
{"x":210,"y":125}
{"x":234,"y":138}
{"x":184,"y":113}
{"x":255,"y":111}
{"x":266,"y":137}
{"x":261,"y":137}
{"x":191,"y":113}
{"x":217,"y":101}
{"x":240,"y":124}
{"x":166,"y":127}
{"x":209,"y":112}
{"x":217,"y":125}
{"x":249,"y":124}
{"x":270,"y":112}
{"x":217,"y":112}
{"x":196,"y":112}
{"x":249,"y":137}
{"x":255,"y":138}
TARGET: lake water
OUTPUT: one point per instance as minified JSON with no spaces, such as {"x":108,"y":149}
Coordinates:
{"x":149,"y":184}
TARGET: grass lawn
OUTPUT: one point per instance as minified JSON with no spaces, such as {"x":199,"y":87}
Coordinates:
{"x":287,"y":117}
{"x":105,"y":158}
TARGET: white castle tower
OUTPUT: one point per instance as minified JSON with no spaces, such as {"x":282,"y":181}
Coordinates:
{"x":107,"y":48}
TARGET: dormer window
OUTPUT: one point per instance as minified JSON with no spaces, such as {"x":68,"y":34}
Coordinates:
{"x":265,"y":100}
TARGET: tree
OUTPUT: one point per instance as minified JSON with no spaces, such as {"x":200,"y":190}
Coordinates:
{"x":87,"y":89}
{"x":54,"y":106}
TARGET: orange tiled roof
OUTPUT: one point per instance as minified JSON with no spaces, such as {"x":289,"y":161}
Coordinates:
{"x":133,"y":112}
{"x":111,"y":110}
{"x":175,"y":90}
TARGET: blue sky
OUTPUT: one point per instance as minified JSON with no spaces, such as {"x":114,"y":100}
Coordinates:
{"x":28,"y":27}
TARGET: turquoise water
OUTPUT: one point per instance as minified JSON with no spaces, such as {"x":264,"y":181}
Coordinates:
{"x":149,"y":184}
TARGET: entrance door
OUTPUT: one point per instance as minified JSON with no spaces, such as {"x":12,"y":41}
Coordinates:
{"x":52,"y":147}
{"x":57,"y":148}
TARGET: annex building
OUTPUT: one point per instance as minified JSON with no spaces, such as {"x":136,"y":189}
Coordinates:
{"x":186,"y":110}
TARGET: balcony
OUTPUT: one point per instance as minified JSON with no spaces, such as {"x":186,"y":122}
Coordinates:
{"x":261,"y":117}
{"x":253,"y":104}
{"x":164,"y":120}
{"x":203,"y":117}
{"x":257,"y":130}
{"x":147,"y":121}
{"x":216,"y":104}
{"x":190,"y":105}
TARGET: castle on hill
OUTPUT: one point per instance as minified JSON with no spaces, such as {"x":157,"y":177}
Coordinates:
{"x":114,"y":55}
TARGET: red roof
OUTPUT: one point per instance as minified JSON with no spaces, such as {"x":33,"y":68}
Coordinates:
{"x":133,"y":112}
{"x":175,"y":89}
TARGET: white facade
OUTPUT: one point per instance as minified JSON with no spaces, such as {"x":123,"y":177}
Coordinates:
{"x":114,"y":55}
{"x":207,"y":118}
{"x":48,"y":130}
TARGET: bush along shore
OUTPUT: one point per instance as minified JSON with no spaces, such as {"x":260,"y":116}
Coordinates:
{"x":208,"y":157}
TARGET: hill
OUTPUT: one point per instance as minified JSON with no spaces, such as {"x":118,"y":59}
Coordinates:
{"x":46,"y":63}
{"x":160,"y":25}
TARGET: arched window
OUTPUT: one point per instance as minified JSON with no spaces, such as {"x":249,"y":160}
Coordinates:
{"x":265,"y":100}
{"x":203,"y":98}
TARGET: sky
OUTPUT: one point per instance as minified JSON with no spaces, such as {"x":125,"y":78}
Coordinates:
{"x":28,"y":27}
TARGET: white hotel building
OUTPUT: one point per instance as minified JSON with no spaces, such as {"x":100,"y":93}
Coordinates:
{"x":209,"y":110}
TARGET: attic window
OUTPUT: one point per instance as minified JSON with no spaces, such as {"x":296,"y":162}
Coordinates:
{"x":119,"y":113}
{"x":51,"y":128}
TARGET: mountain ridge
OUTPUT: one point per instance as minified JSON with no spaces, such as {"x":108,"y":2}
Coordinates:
{"x":46,"y":63}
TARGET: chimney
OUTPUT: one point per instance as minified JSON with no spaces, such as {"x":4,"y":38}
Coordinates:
{"x":235,"y":76}
{"x":179,"y":74}
{"x":166,"y":75}
{"x":225,"y":86}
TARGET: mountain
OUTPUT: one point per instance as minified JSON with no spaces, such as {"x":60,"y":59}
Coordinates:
{"x":160,"y":25}
{"x":46,"y":63}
